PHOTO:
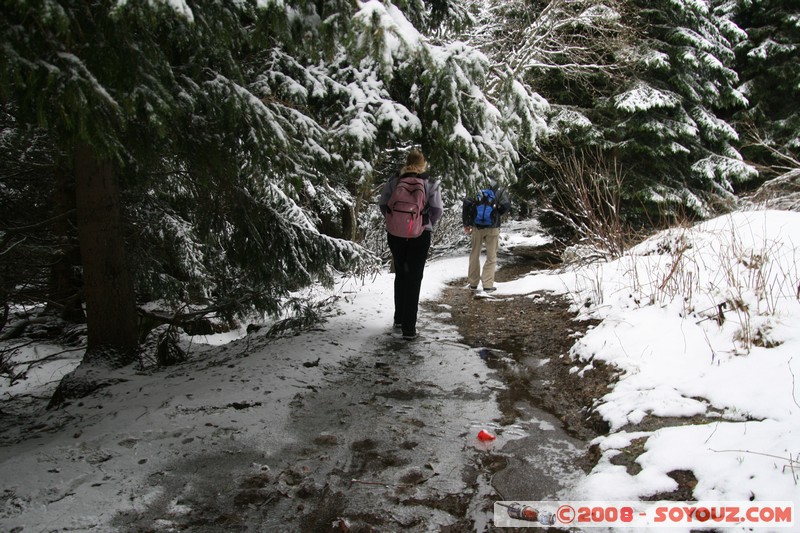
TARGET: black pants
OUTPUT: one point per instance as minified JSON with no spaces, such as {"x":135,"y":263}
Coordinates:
{"x":409,"y":263}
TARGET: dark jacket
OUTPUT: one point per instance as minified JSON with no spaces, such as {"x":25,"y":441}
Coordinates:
{"x":433,"y":209}
{"x":502,"y":206}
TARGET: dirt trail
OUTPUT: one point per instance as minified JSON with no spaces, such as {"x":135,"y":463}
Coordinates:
{"x":388,"y":441}
{"x":537,"y":331}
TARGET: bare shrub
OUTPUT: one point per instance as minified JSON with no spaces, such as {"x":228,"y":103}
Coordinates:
{"x":587,"y":190}
{"x":745,"y":285}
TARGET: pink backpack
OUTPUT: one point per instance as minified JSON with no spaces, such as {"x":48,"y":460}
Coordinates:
{"x":406,"y":204}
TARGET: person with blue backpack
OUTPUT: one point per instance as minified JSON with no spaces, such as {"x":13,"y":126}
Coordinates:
{"x":481,"y":217}
{"x":411,"y":204}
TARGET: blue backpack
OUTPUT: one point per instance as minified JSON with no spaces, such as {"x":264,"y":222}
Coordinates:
{"x":484,"y":208}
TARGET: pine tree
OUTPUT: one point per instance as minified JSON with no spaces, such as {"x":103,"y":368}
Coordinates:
{"x":670,"y":117}
{"x":770,"y":75}
{"x":439,"y":18}
{"x":37,"y":249}
{"x":404,"y":85}
{"x":564,"y":56}
{"x":646,"y":85}
{"x":150,"y":98}
{"x":232,"y":132}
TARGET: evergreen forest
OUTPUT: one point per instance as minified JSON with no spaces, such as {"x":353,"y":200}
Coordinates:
{"x":188,"y":165}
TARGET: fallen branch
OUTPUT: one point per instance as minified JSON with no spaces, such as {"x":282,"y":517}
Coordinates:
{"x":792,"y":461}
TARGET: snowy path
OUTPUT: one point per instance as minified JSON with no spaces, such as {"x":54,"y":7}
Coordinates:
{"x":265,"y":434}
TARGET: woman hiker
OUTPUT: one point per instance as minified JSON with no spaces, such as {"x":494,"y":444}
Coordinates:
{"x":410,"y":252}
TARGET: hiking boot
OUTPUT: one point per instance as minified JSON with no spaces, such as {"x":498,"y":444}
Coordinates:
{"x":409,"y":335}
{"x":397,"y":325}
{"x":472,"y":287}
{"x":489,"y":289}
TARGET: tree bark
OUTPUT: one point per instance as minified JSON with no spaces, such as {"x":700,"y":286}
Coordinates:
{"x":107,"y":282}
{"x":65,"y":283}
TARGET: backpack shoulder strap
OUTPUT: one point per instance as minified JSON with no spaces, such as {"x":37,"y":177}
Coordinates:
{"x":424,"y":187}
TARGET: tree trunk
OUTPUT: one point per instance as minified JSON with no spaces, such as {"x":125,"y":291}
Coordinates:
{"x":65,"y":282}
{"x":107,"y":281}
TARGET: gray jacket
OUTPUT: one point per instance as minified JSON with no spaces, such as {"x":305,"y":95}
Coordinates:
{"x":433,"y":209}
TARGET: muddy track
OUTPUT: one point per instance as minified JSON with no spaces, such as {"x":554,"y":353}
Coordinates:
{"x":387,"y":442}
{"x":537,"y":331}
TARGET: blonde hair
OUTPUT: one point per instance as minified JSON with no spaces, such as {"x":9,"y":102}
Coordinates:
{"x":415,"y":162}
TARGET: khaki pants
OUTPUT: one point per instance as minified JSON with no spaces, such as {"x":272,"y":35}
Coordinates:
{"x":491,"y":237}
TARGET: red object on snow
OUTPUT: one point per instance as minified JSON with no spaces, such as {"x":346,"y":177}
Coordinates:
{"x":485,"y":435}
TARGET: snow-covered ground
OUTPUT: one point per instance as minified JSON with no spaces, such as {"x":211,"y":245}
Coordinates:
{"x":703,"y":322}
